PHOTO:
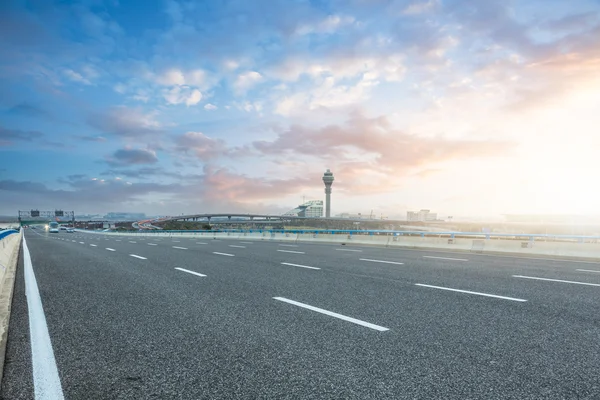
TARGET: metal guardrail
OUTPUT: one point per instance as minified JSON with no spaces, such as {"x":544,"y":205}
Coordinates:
{"x":444,"y":234}
{"x":7,"y":232}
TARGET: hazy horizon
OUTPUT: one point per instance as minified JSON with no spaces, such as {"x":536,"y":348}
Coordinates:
{"x":465,"y":108}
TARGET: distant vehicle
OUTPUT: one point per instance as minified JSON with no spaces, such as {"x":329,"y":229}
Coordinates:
{"x":53,"y":226}
{"x":70,"y":230}
{"x":63,"y":228}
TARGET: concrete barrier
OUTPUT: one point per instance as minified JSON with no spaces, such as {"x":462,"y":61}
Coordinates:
{"x":10,"y":245}
{"x":481,"y":245}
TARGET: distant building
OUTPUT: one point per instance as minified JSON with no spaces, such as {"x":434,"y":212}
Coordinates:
{"x":124,"y":216}
{"x":421,"y":216}
{"x":312,"y":209}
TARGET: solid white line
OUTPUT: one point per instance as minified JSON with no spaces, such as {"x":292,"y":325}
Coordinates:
{"x":332,"y":314}
{"x":446,"y":258}
{"x":152,"y":244}
{"x":588,"y":270}
{"x":288,"y":245}
{"x":109,"y":249}
{"x":247,"y":242}
{"x":239,"y":247}
{"x":201,"y":243}
{"x":188,"y":271}
{"x":136,"y":256}
{"x":223,"y":254}
{"x":469,"y":292}
{"x":181,"y":248}
{"x":349,"y":250}
{"x":93,"y":245}
{"x":291,"y":251}
{"x":381,"y":261}
{"x":46,"y":382}
{"x":131,"y":241}
{"x":555,"y":280}
{"x":298,"y":265}
{"x":175,"y":241}
{"x":81,"y":242}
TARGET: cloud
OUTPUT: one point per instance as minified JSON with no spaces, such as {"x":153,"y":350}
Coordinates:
{"x":28,"y":110}
{"x":328,"y":25}
{"x":8,"y":137}
{"x":373,"y":147}
{"x":178,"y":77}
{"x":221,"y":184}
{"x":420,"y":7}
{"x":89,"y":193}
{"x":327,"y":94}
{"x":202,"y":146}
{"x":97,"y":139}
{"x":210,"y":107}
{"x":76,"y":77}
{"x":132,"y":157}
{"x":246,"y":81}
{"x":138,"y":173}
{"x":573,"y":22}
{"x":125,"y":122}
{"x":182,"y":95}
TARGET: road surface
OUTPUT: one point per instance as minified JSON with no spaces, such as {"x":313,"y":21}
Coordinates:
{"x":180,"y":318}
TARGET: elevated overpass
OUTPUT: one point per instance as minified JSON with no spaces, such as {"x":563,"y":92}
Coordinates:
{"x":256,"y":220}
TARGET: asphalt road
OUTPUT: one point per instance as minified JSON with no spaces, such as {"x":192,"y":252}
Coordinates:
{"x":269,"y":320}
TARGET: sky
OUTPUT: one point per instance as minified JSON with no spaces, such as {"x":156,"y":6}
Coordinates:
{"x":464,"y":107}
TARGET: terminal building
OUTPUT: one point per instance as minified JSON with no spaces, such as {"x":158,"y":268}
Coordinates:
{"x":311,"y":209}
{"x":421,"y":216}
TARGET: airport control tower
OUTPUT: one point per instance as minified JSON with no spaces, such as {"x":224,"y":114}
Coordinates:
{"x":328,"y":181}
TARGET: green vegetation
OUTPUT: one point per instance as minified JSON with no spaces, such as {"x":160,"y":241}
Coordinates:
{"x":185,"y":226}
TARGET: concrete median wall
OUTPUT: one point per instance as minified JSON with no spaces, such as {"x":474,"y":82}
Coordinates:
{"x":10,"y":245}
{"x":9,"y":249}
{"x":557,"y":249}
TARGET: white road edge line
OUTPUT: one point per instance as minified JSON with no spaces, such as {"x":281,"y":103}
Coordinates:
{"x":291,"y":251}
{"x":180,"y":248}
{"x":136,"y":256}
{"x":131,"y":241}
{"x":201,"y":243}
{"x":358,"y":251}
{"x":588,"y":270}
{"x":446,"y":258}
{"x":188,"y":271}
{"x":109,"y":249}
{"x":298,"y":265}
{"x":288,"y":245}
{"x":247,"y":242}
{"x":470,"y":292}
{"x":555,"y":280}
{"x":332,"y":314}
{"x":381,"y":261}
{"x":46,"y":381}
{"x":236,"y":246}
{"x":152,"y":244}
{"x":223,"y":254}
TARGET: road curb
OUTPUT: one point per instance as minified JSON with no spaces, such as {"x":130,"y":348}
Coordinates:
{"x":6,"y":295}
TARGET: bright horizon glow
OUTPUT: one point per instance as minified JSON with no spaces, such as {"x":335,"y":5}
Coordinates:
{"x":467,"y":108}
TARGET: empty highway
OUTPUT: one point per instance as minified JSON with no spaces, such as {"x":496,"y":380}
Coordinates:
{"x":132,"y":317}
